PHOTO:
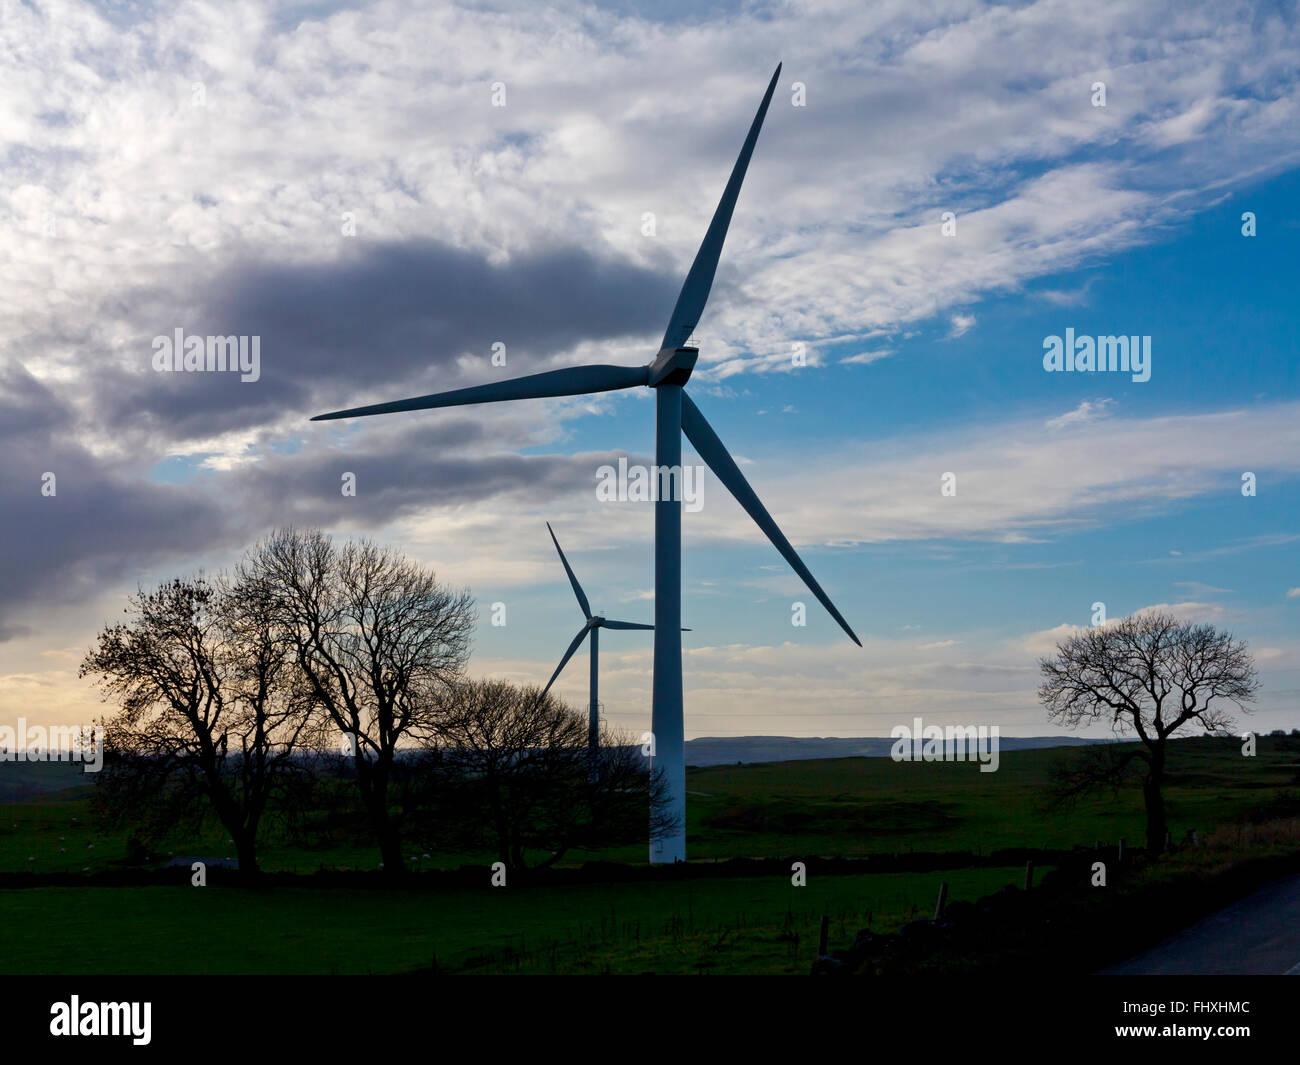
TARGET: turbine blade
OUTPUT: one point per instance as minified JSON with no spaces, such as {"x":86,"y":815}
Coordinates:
{"x":625,"y":625}
{"x":571,"y":381}
{"x":700,"y":433}
{"x":577,"y":642}
{"x":577,"y":588}
{"x":695,"y":290}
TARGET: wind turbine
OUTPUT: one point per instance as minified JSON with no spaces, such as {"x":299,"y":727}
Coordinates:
{"x":593,"y":626}
{"x":675,"y":413}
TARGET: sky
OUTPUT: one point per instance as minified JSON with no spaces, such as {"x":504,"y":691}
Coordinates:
{"x":385,"y":194}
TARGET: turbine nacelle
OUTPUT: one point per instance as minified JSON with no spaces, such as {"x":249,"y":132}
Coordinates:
{"x":672,"y":366}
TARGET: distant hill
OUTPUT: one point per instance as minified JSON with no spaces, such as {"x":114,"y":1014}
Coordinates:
{"x":26,"y":780}
{"x":728,"y":750}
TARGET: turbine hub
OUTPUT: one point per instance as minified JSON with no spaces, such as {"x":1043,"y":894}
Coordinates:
{"x":596,"y":622}
{"x":672,"y":366}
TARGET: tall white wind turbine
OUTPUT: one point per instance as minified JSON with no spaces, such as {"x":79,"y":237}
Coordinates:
{"x":675,"y":413}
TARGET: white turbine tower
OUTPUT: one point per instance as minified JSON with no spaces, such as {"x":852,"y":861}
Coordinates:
{"x":592,"y":628}
{"x":675,"y":414}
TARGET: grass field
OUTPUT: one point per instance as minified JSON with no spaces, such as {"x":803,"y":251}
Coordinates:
{"x":844,"y":807}
{"x":839,"y":807}
{"x":759,"y":925}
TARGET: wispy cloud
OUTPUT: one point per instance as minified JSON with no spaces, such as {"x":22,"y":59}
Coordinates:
{"x":1009,"y":488}
{"x":866,"y":358}
{"x":961,"y":325}
{"x":1087,"y":411}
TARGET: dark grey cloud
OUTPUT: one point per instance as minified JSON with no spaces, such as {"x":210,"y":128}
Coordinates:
{"x":100,"y":524}
{"x":418,"y":463}
{"x":107,"y":522}
{"x":381,"y":316}
{"x":388,"y":314}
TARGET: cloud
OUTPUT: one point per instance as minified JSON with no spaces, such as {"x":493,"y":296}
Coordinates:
{"x":866,"y":358}
{"x":134,"y":204}
{"x":416,"y":315}
{"x":1042,"y":644}
{"x":1187,"y":613}
{"x":70,"y":520}
{"x":1012,"y":485}
{"x":1087,"y":411}
{"x":312,"y":121}
{"x":1197,"y":588}
{"x":1263,"y":541}
{"x":961,"y":325}
{"x":1293,"y":593}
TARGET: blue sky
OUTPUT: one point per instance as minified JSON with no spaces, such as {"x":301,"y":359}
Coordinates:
{"x":1220,"y":308}
{"x":338,"y":181}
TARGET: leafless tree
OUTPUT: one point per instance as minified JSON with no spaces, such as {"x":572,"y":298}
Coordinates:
{"x":377,"y":639}
{"x":529,"y":776}
{"x":212,"y":714}
{"x":1152,"y":676}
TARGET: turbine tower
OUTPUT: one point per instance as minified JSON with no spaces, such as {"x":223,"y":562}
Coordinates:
{"x":675,"y":413}
{"x":593,"y":626}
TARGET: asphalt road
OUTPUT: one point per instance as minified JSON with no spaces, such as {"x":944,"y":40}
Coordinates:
{"x":1259,"y":934}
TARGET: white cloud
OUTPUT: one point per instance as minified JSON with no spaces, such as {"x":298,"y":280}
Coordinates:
{"x":961,"y":325}
{"x":384,"y":112}
{"x":866,"y":358}
{"x":1087,"y":411}
{"x":1043,"y":643}
{"x":1014,"y":484}
{"x":304,"y":119}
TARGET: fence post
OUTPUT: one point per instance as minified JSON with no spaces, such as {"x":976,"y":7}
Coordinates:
{"x":943,"y":897}
{"x":1120,"y":856}
{"x":1029,"y":874}
{"x":823,"y":934}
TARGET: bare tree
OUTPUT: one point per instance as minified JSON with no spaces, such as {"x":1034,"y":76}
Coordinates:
{"x":528,"y":776}
{"x":212,"y":716}
{"x":377,"y":639}
{"x":1150,"y":675}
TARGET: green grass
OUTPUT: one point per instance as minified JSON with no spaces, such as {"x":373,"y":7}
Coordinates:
{"x":859,"y":806}
{"x":750,"y":925}
{"x":847,"y":807}
{"x":844,"y":807}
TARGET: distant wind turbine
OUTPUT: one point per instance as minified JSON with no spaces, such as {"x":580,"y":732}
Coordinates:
{"x":675,"y":413}
{"x":593,"y":626}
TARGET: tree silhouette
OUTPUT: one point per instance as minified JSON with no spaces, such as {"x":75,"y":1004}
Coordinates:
{"x":527,"y":777}
{"x":212,"y":713}
{"x":377,"y":640}
{"x":1150,"y":675}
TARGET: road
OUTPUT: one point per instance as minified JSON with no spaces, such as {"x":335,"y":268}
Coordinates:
{"x":1259,"y":934}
